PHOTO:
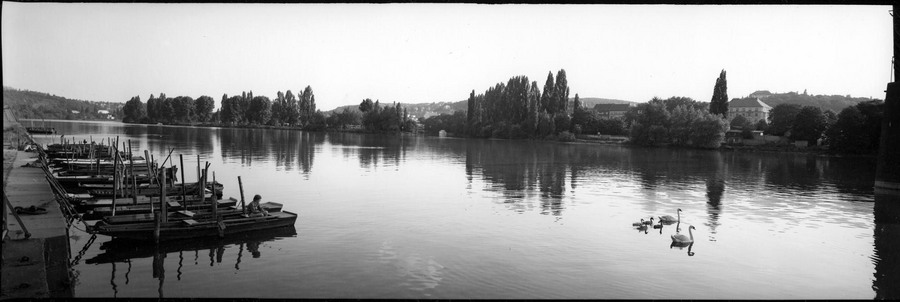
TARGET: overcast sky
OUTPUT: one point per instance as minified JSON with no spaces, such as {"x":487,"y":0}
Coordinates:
{"x":440,"y":52}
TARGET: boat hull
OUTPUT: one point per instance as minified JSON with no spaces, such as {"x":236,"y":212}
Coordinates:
{"x":206,"y":229}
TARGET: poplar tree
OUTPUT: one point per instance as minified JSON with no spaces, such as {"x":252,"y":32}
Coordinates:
{"x":719,"y":103}
{"x":561,"y":90}
{"x":549,"y":95}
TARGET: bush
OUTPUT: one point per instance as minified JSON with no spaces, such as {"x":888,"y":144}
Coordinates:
{"x":566,"y":136}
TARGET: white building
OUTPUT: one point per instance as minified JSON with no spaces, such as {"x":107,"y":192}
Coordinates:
{"x":751,"y":109}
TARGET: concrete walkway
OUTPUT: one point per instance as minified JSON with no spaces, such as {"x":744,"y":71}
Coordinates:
{"x":37,"y":267}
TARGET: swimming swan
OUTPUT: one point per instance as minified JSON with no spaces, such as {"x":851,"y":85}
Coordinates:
{"x":647,"y":222}
{"x":670,"y":219}
{"x":681,"y":238}
{"x":638,"y":223}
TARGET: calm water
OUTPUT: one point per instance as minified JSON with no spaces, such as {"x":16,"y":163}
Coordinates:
{"x":422,"y":217}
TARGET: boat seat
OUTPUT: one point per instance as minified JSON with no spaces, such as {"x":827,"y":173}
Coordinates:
{"x":186,"y":213}
{"x":190,"y":221}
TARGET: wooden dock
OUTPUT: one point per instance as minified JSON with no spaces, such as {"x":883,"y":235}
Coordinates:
{"x":34,"y":267}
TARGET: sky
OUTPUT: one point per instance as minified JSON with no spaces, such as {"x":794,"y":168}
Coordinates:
{"x":416,"y":53}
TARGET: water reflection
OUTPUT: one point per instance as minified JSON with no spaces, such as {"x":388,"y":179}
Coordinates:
{"x":124,"y":251}
{"x":887,"y":246}
{"x":515,"y":169}
{"x":715,"y":188}
{"x":290,"y":150}
{"x":681,"y":246}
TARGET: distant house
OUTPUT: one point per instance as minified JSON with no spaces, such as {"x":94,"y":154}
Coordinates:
{"x":75,"y":112}
{"x":750,"y":108}
{"x":761,"y":94}
{"x":610,"y":111}
{"x":103,"y":112}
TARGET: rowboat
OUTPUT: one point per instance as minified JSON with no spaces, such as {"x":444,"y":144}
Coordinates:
{"x":190,"y":228}
{"x":125,"y":209}
{"x":227,"y":212}
{"x":88,"y":204}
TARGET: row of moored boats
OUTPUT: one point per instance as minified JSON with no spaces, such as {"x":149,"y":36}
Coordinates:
{"x":130,"y":196}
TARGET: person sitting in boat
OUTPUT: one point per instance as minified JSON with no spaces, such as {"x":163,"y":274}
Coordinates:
{"x":256,"y":208}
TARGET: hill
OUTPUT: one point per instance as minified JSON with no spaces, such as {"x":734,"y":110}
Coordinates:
{"x":419,"y":109}
{"x":38,"y":105}
{"x":437,"y":108}
{"x":834,"y":103}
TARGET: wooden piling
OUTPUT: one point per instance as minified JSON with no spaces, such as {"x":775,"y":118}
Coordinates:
{"x":163,"y":205}
{"x":183,"y":189}
{"x":241,"y":186}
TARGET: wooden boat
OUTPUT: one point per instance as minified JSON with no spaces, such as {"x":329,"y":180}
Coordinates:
{"x":40,"y":130}
{"x":88,"y":204}
{"x":228,"y":212}
{"x":147,"y":189}
{"x":126,"y":209}
{"x":190,"y":228}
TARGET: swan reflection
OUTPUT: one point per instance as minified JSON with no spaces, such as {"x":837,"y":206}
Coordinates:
{"x":682,"y":245}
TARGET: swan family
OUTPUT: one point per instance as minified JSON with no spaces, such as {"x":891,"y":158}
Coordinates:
{"x":668,"y":219}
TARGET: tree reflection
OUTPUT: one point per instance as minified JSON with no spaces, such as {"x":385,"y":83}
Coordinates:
{"x":715,"y":188}
{"x":290,"y":150}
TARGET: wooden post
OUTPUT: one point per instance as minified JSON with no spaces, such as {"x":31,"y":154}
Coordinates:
{"x":149,"y":169}
{"x":115,"y":183}
{"x":183,"y":189}
{"x":198,"y":175}
{"x":243,"y":207}
{"x":133,"y":175}
{"x":200,"y":184}
{"x":214,"y":201}
{"x":163,"y":205}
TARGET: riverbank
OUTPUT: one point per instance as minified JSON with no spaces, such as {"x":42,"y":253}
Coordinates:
{"x":36,"y":266}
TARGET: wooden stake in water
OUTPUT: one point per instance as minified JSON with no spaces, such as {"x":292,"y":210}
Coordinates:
{"x":163,"y":205}
{"x":241,"y":185}
{"x":183,"y":190}
{"x":115,"y":183}
{"x":199,"y":176}
{"x":133,"y":176}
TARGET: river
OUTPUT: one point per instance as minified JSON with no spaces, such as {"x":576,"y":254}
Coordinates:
{"x":400,"y":216}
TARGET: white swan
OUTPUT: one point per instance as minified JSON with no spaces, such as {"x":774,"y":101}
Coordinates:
{"x":670,"y":219}
{"x":638,"y":223}
{"x":681,"y":238}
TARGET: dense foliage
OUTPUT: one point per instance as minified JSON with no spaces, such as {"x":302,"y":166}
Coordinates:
{"x":857,"y":129}
{"x":517,"y":109}
{"x":688,"y":123}
{"x":245,"y":109}
{"x":383,"y":118}
{"x":781,"y":118}
{"x":719,"y":103}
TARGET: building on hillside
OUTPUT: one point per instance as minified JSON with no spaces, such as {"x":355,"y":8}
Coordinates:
{"x":761,"y":94}
{"x":751,"y":109}
{"x":103,"y":111}
{"x":610,"y":111}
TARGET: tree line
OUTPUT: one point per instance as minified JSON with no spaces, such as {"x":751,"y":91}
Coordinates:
{"x":520,"y":109}
{"x":239,"y":110}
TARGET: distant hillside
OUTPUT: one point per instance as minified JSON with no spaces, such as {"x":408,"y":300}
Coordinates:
{"x":437,"y":108}
{"x":590,"y":102}
{"x":834,"y":103}
{"x":38,"y":105}
{"x":419,"y":109}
